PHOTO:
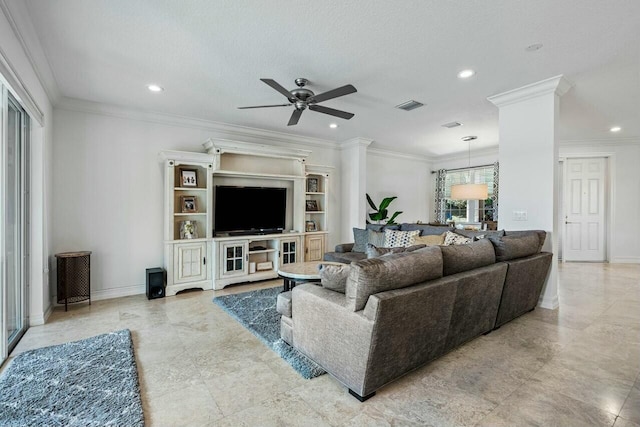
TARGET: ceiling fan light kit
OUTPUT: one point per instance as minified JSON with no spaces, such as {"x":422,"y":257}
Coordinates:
{"x":302,"y":98}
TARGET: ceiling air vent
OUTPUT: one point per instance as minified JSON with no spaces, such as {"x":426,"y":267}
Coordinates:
{"x":452,"y":125}
{"x":409,"y":105}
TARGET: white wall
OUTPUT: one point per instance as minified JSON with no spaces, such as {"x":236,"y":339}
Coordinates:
{"x":41,"y":140}
{"x":108,"y":191}
{"x":408,"y":178}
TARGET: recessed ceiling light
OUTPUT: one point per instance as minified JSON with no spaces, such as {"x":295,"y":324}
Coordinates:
{"x":615,"y":129}
{"x":155,"y":88}
{"x":333,"y":125}
{"x":465,"y":74}
{"x":533,"y":47}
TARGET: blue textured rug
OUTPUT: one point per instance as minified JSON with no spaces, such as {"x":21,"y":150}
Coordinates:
{"x":256,"y":311}
{"x":92,"y":382}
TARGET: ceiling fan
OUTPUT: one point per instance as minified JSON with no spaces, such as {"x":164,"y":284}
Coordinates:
{"x":302,"y":98}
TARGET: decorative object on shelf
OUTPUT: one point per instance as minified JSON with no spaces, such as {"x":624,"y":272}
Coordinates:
{"x":188,"y":230}
{"x":310,"y":226}
{"x":381,"y":213}
{"x":188,"y":204}
{"x":312,"y":185}
{"x":312,"y":206}
{"x":189,"y":178}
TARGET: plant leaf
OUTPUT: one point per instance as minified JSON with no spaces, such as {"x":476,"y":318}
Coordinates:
{"x":384,"y":204}
{"x":373,"y":205}
{"x":393,"y":217}
{"x":375,"y":216}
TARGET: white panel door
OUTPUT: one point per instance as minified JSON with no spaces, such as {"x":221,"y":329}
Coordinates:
{"x":584,"y":237}
{"x":190,"y":262}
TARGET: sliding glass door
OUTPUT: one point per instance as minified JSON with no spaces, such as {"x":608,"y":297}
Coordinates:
{"x":14,"y":207}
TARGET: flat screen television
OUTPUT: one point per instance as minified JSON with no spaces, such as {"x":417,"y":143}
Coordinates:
{"x":249,"y":210}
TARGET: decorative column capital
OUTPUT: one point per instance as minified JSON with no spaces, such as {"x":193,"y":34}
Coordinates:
{"x":558,"y":85}
{"x":353,"y":142}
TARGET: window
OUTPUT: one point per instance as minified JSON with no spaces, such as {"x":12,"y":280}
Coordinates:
{"x":467,"y":211}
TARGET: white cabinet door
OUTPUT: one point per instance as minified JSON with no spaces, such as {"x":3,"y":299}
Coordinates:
{"x":584,"y":239}
{"x":234,"y":258}
{"x":314,"y":247}
{"x":190,"y":262}
{"x":289,"y":251}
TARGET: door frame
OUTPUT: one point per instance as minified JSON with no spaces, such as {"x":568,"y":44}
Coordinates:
{"x":609,"y":193}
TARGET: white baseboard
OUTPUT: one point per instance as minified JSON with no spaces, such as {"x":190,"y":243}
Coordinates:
{"x":625,"y":260}
{"x":125,"y":291}
{"x":549,"y":303}
{"x":41,"y":319}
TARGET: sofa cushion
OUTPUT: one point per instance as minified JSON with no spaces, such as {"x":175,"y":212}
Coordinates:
{"x":283,"y":303}
{"x":374,"y":251}
{"x":479,"y":234}
{"x":517,"y":246}
{"x":382,"y":227}
{"x":334,"y":277}
{"x":451,"y":238}
{"x":459,"y":258}
{"x":360,"y":237}
{"x":397,"y":238}
{"x":542,"y":235}
{"x":430,"y":239}
{"x":393,"y":271}
{"x":346,"y":257}
{"x":425,"y":229}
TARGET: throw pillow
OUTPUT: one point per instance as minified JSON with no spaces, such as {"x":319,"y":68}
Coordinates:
{"x":376,"y":238}
{"x":451,"y":238}
{"x":334,"y":276}
{"x":374,"y":251}
{"x":360,"y":237}
{"x":393,"y":238}
{"x":430,"y":240}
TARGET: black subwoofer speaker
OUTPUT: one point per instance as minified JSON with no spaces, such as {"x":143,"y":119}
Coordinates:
{"x":155,"y":283}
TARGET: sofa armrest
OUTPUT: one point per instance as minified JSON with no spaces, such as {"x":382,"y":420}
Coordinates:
{"x":334,"y":337}
{"x":344,"y":247}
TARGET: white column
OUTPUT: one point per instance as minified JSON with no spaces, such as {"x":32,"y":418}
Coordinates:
{"x":528,"y":155}
{"x":354,"y":185}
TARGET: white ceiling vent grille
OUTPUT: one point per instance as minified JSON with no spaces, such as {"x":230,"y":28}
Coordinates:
{"x":452,"y":125}
{"x":410,"y":105}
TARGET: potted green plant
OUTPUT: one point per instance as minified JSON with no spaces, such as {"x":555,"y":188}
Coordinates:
{"x":381,"y":212}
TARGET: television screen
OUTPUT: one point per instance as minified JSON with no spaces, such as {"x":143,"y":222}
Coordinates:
{"x":244,"y":209}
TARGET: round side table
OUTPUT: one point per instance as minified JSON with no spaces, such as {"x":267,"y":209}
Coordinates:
{"x":74,"y":277}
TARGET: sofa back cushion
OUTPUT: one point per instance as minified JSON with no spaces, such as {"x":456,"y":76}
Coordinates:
{"x":515,"y":246}
{"x":459,"y":258}
{"x":542,"y":236}
{"x":393,"y":271}
{"x":425,"y":229}
{"x":480,"y":234}
{"x":374,"y":251}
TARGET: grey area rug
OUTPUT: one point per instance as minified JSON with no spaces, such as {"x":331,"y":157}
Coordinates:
{"x":92,"y":382}
{"x":256,"y":311}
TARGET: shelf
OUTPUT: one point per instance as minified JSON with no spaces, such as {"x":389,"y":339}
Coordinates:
{"x":261,"y":251}
{"x":189,"y":189}
{"x":314,"y":212}
{"x":189,"y":213}
{"x":320,"y":193}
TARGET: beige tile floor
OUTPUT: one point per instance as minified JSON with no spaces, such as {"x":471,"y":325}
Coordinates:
{"x":575,"y":366}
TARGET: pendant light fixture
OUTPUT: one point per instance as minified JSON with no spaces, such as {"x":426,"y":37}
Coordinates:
{"x":469,"y":191}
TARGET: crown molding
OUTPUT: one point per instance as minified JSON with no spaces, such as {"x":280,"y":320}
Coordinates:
{"x":222,"y":130}
{"x":558,"y":85}
{"x":221,"y":146}
{"x":398,"y":155}
{"x":22,"y":27}
{"x":353,"y":142}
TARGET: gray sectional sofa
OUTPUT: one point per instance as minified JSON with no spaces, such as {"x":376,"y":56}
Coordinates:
{"x":374,"y":320}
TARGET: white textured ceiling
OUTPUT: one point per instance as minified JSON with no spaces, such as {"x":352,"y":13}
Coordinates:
{"x":209,"y":56}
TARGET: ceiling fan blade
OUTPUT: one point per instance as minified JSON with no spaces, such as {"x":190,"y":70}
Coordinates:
{"x":264,"y":106}
{"x":295,"y":117}
{"x":274,"y":84}
{"x":341,"y":91}
{"x":331,"y":111}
